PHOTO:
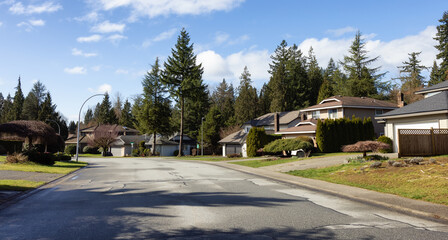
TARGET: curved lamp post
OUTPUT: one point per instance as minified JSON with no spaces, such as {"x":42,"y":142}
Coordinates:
{"x":59,"y":128}
{"x":79,"y":119}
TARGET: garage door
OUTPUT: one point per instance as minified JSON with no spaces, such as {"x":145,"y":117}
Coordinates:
{"x":415,"y":125}
{"x":233,"y":148}
{"x":116,"y":151}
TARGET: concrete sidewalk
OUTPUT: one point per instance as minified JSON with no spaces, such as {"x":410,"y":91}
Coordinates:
{"x":401,"y":204}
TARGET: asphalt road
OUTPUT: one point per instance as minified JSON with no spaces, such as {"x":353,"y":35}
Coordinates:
{"x":118,"y":198}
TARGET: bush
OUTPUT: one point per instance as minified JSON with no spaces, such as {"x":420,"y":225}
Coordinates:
{"x":70,"y":149}
{"x":290,"y":144}
{"x":62,"y":157}
{"x":254,"y":141}
{"x":45,"y":158}
{"x":176,"y":152}
{"x":234,"y":155}
{"x":89,"y":149}
{"x":16,"y":158}
{"x":305,"y":139}
{"x":386,"y":140}
{"x":135,"y":153}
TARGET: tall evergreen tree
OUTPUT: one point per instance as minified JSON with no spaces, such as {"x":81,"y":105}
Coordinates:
{"x":442,"y":38}
{"x":314,"y":76}
{"x":6,"y":110}
{"x":264,"y":100}
{"x":278,"y":82}
{"x":106,"y":114}
{"x":88,"y":117}
{"x":126,"y":119}
{"x":30,"y":107}
{"x":153,"y":109}
{"x":183,"y":77}
{"x":72,"y":127}
{"x":411,"y":77}
{"x":325,"y":91}
{"x":298,"y":86}
{"x":47,"y":110}
{"x":212,"y":125}
{"x":362,"y":79}
{"x":224,"y":98}
{"x":434,"y":77}
{"x":96,"y":112}
{"x":17,"y":105}
{"x":246,"y":104}
{"x":40,"y":91}
{"x":118,"y":106}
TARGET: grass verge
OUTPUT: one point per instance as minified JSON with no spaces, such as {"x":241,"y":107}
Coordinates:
{"x":267,"y":162}
{"x":208,"y":158}
{"x":18,"y":185}
{"x":423,"y":182}
{"x":58,"y":167}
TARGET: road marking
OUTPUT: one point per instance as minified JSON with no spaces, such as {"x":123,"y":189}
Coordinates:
{"x":74,"y":178}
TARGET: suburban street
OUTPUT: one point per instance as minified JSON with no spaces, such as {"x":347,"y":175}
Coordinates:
{"x":132,"y":198}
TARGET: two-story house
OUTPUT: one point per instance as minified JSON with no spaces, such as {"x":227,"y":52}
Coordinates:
{"x":339,"y":107}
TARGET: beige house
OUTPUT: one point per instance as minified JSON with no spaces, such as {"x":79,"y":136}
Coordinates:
{"x":339,"y":107}
{"x":431,"y":112}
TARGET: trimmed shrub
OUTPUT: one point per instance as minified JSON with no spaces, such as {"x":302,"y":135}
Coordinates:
{"x":70,"y":149}
{"x":135,"y":153}
{"x":288,"y":145}
{"x":254,"y":141}
{"x":16,"y":158}
{"x":89,"y":149}
{"x":62,"y":157}
{"x":386,"y":140}
{"x":176,"y":152}
{"x":45,"y":158}
{"x":305,"y":139}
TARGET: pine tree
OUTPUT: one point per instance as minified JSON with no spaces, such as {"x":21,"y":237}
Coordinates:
{"x":47,"y":110}
{"x":6,"y":110}
{"x":2,"y":101}
{"x":314,"y":76}
{"x":88,"y":117}
{"x":411,"y":77}
{"x":126,"y":119}
{"x":212,"y":125}
{"x":30,"y":107}
{"x":442,"y":38}
{"x":224,"y":98}
{"x":118,"y":106}
{"x":40,"y":91}
{"x":106,"y":114}
{"x":264,"y":100}
{"x":247,"y":100}
{"x":72,"y":127}
{"x":183,"y":77}
{"x":325,"y":91}
{"x":434,"y":77}
{"x":17,"y":105}
{"x":153,"y":110}
{"x":278,"y":82}
{"x":362,"y":80}
{"x":298,"y":86}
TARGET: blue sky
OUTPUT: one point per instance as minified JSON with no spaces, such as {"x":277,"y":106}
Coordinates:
{"x":80,"y":47}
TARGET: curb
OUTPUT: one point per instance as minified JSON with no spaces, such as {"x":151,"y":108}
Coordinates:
{"x":22,"y":195}
{"x":313,"y":185}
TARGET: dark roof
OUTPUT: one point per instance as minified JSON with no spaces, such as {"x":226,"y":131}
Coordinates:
{"x":186,"y":139}
{"x":268,"y":118}
{"x":435,"y":88}
{"x":128,"y":139}
{"x":236,"y":137}
{"x":114,"y":127}
{"x":438,"y":102}
{"x":160,"y":140}
{"x":343,"y":101}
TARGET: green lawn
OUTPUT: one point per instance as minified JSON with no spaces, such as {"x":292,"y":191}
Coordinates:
{"x":207,"y":158}
{"x":424,"y":182}
{"x":2,"y":158}
{"x":58,"y":167}
{"x":18,"y":185}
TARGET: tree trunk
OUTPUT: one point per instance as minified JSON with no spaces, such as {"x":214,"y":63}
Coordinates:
{"x":181,"y":125}
{"x":364,"y":154}
{"x":154,"y":144}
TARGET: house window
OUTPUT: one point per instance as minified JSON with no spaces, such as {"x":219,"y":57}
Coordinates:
{"x":316,"y":114}
{"x":378,"y":112}
{"x":332,"y":113}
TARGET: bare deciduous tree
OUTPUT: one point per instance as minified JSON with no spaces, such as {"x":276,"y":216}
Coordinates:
{"x":103,"y":137}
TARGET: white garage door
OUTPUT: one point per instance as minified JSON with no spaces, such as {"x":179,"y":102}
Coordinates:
{"x":415,"y":125}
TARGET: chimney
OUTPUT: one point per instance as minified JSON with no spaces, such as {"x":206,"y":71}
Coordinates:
{"x":276,"y":122}
{"x":400,"y":99}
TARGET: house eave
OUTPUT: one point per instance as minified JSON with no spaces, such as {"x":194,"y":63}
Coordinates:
{"x":407,"y":115}
{"x":289,"y":133}
{"x":349,"y":106}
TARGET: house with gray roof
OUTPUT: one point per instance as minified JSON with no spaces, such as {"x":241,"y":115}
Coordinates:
{"x":431,"y":112}
{"x":271,"y":122}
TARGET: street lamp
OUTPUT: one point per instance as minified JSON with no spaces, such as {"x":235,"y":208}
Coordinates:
{"x":79,"y":119}
{"x":202,"y":139}
{"x":59,"y":128}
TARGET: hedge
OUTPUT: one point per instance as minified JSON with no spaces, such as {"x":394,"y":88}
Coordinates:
{"x":289,"y":144}
{"x":332,"y":134}
{"x":257,"y":138}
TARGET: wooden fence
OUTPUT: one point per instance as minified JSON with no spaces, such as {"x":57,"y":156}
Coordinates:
{"x":422,"y":142}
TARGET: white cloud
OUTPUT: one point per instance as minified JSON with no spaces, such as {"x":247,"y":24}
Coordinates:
{"x":1,"y":24}
{"x":116,"y":38}
{"x":108,"y":27}
{"x":92,"y":38}
{"x":96,"y":68}
{"x":341,"y":31}
{"x":75,"y":70}
{"x":77,"y":52}
{"x":217,"y":67}
{"x":37,"y":23}
{"x":155,"y":8}
{"x":90,"y":17}
{"x":392,"y":53}
{"x":46,"y":7}
{"x":162,"y":36}
{"x":121,"y":71}
{"x":105,"y":88}
{"x":221,"y":37}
